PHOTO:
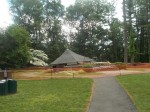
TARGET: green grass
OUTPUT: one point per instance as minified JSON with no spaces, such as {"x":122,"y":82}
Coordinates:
{"x":56,"y":95}
{"x":138,"y":86}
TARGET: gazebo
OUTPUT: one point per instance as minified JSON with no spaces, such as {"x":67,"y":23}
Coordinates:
{"x":70,"y":58}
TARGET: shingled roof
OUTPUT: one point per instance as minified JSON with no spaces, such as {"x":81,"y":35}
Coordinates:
{"x":69,"y":57}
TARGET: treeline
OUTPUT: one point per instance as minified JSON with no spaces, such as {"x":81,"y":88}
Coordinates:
{"x":137,"y":25}
{"x":93,"y":29}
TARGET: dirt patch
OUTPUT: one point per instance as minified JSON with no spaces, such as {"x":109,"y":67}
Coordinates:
{"x":43,"y":74}
{"x":139,"y":65}
{"x":27,"y":74}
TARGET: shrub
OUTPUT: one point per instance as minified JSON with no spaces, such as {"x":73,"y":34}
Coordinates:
{"x":87,"y":65}
{"x":38,"y":58}
{"x":119,"y":63}
{"x":14,"y":47}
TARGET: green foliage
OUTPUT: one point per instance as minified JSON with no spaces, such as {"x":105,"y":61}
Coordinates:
{"x":138,"y":88}
{"x":96,"y":32}
{"x":119,"y":63}
{"x":14,"y":48}
{"x":87,"y":65}
{"x":88,"y":17}
{"x":56,"y":95}
{"x":28,"y":13}
{"x":55,"y":50}
{"x":137,"y":28}
{"x":42,"y":19}
{"x":115,"y":34}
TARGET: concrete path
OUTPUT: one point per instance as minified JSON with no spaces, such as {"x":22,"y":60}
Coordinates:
{"x":109,"y":96}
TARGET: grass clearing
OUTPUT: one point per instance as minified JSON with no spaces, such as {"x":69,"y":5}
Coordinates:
{"x":55,"y":95}
{"x":138,"y":86}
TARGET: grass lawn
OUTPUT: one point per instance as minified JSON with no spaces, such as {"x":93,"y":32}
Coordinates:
{"x":56,"y":95}
{"x":138,"y":86}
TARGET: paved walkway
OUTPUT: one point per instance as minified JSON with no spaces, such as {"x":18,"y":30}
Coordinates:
{"x":109,"y":96}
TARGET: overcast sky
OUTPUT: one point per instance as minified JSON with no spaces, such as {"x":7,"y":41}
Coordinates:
{"x":6,"y":18}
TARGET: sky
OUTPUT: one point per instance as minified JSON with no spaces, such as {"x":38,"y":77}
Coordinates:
{"x":6,"y":18}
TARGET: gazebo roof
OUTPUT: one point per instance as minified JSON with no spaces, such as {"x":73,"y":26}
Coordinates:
{"x":69,"y":57}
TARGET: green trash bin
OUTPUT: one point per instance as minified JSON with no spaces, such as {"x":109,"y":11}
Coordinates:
{"x":2,"y":88}
{"x":12,"y":86}
{"x":5,"y":86}
{"x":15,"y":86}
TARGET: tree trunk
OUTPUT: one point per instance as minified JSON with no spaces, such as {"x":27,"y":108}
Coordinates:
{"x":148,"y":11}
{"x":132,"y":58}
{"x":149,"y":44}
{"x":125,"y":35}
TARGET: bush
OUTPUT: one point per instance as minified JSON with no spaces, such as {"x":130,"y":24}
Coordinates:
{"x":38,"y":58}
{"x":119,"y":63}
{"x":102,"y":63}
{"x":87,"y":65}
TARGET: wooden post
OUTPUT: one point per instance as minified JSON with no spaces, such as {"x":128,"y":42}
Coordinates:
{"x":73,"y":75}
{"x":51,"y":74}
{"x":120,"y":71}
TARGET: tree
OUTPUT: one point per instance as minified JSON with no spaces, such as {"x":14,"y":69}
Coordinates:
{"x":42,"y":19}
{"x":143,"y":28}
{"x":137,"y":29}
{"x":29,"y":14}
{"x":55,"y":41}
{"x":88,"y":17}
{"x":96,"y":32}
{"x":14,"y":48}
{"x":130,"y":29}
{"x":115,"y":41}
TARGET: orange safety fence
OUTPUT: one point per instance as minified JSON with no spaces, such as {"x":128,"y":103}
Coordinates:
{"x":94,"y":69}
{"x":139,"y":65}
